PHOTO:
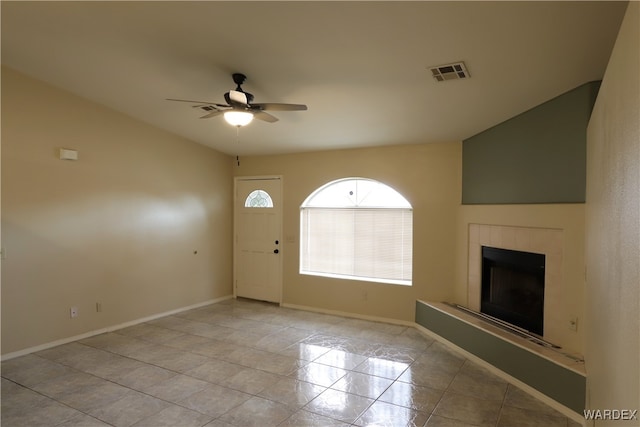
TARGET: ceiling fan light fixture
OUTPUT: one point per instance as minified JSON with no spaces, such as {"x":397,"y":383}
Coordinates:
{"x":238,"y":118}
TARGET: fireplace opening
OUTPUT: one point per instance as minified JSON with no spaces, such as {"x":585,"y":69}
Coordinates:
{"x":512,"y":287}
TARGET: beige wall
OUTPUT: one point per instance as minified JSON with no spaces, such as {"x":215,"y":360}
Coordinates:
{"x":428,"y":175}
{"x":613,"y":230}
{"x":119,"y":226}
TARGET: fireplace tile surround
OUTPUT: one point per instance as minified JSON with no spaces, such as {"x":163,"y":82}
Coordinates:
{"x":558,"y":374}
{"x":547,"y":241}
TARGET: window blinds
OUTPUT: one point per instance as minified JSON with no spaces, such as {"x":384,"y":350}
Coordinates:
{"x":359,"y":243}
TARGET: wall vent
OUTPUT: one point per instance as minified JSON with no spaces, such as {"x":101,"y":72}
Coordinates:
{"x":455,"y":71}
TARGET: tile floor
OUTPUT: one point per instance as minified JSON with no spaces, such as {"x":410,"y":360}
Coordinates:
{"x":245,"y":363}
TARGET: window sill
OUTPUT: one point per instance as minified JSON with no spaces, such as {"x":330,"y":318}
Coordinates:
{"x":358,"y":278}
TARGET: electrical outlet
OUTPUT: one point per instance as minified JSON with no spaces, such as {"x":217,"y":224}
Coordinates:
{"x":573,"y":323}
{"x":73,"y":312}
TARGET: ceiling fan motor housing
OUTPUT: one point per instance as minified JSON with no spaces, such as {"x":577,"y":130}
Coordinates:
{"x":238,"y":98}
{"x":239,"y":79}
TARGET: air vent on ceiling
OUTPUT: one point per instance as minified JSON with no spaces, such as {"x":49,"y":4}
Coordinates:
{"x":453,"y":71}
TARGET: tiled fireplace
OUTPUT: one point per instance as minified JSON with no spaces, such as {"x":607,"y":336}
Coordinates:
{"x":545,"y":241}
{"x":555,"y":373}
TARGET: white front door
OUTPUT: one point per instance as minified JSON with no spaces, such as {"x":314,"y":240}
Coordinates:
{"x":258,"y":240}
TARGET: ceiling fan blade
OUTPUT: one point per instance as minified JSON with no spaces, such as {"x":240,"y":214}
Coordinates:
{"x":198,"y":102}
{"x":265,"y":117}
{"x":212,"y":114}
{"x":271,"y":106}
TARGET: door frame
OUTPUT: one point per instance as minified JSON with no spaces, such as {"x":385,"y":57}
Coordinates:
{"x":279,"y":178}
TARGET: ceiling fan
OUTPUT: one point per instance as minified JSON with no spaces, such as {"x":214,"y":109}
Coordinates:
{"x":240,"y":109}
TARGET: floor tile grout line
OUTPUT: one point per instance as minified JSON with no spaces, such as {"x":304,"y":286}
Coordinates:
{"x":185,"y":374}
{"x":503,"y":403}
{"x":57,"y":401}
{"x":150,"y":395}
{"x":137,"y":391}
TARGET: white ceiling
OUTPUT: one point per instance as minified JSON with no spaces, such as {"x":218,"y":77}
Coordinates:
{"x":361,"y":67}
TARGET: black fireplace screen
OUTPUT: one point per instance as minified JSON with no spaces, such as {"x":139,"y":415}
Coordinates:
{"x":513,"y":287}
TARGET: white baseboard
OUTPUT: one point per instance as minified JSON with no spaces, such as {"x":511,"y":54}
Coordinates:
{"x":109,"y":329}
{"x":569,"y":413}
{"x":349,"y":315}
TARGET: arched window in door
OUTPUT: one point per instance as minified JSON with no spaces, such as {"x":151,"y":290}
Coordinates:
{"x":258,"y":199}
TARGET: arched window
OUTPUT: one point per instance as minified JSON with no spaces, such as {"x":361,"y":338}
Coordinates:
{"x":357,"y":228}
{"x":258,"y":199}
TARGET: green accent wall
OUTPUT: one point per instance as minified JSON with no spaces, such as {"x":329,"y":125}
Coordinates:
{"x":561,"y":384}
{"x":538,"y":156}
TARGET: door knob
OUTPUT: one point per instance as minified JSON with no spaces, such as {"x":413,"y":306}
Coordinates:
{"x":275,"y":251}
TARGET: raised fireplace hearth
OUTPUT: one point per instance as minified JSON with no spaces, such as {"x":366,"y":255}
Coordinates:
{"x":512,"y":287}
{"x":543,"y":369}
